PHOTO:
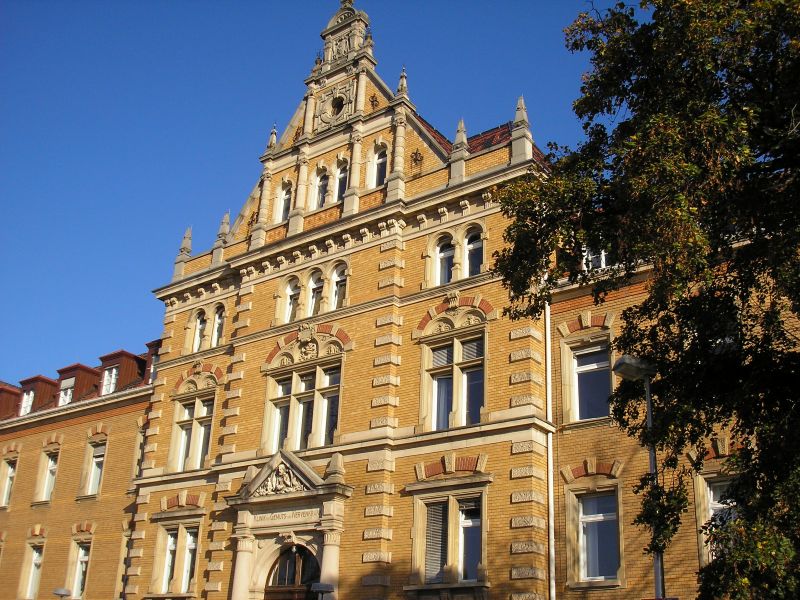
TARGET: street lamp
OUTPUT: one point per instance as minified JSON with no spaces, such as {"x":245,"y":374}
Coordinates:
{"x":635,"y":369}
{"x":62,"y":593}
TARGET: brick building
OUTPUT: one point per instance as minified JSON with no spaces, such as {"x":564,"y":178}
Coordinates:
{"x":341,"y":407}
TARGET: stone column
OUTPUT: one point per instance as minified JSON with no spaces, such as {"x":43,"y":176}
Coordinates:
{"x":361,"y":90}
{"x":258,"y":234}
{"x":243,"y":566}
{"x":354,"y":182}
{"x":396,"y":182}
{"x":329,"y":570}
{"x":296,"y":215}
{"x":308,"y":119}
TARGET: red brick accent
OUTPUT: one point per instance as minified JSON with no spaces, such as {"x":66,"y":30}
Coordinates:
{"x":466,"y":463}
{"x":484,"y":306}
{"x":290,"y":337}
{"x":173,"y":502}
{"x":192,"y":500}
{"x":434,"y":468}
{"x":574,"y":325}
{"x":325,"y":328}
{"x":604,"y":468}
{"x":597,"y":321}
{"x":579,"y":471}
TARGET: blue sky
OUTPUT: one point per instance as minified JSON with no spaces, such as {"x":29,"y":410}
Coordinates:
{"x":124,"y":122}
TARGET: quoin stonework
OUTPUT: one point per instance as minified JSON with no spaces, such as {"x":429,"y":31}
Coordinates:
{"x":337,"y":407}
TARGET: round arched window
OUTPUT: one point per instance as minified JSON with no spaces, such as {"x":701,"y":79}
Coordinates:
{"x":296,"y":567}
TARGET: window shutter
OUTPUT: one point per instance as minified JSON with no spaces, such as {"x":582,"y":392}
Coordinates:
{"x":436,"y":542}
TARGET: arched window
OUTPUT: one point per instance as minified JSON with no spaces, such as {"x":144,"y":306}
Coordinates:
{"x":473,"y":251}
{"x":341,"y":180}
{"x":339,"y":291}
{"x":322,"y":190}
{"x":314,"y":293}
{"x":286,"y":202}
{"x":292,"y":300}
{"x":219,"y":324}
{"x":444,"y":261}
{"x":295,"y":567}
{"x":380,"y":168}
{"x":199,"y":330}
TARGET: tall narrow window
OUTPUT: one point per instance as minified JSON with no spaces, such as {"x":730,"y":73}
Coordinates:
{"x":436,"y":542}
{"x":9,"y":473}
{"x":457,"y":383}
{"x":219,"y":324}
{"x":189,"y":559}
{"x":286,"y":202}
{"x":341,"y":181}
{"x":380,"y":168}
{"x":96,"y":468}
{"x":292,"y":300}
{"x":331,"y":379}
{"x":169,"y":559}
{"x":81,"y":570}
{"x":339,"y":286}
{"x":194,"y":430}
{"x":469,"y":538}
{"x":315,"y":293}
{"x":35,"y":573}
{"x":65,"y":391}
{"x":444,"y":262}
{"x":110,"y":376}
{"x":598,"y":536}
{"x":199,"y":331}
{"x":51,"y":468}
{"x":474,"y":254}
{"x":592,"y":381}
{"x":27,"y":403}
{"x":322,"y":190}
{"x":153,"y":367}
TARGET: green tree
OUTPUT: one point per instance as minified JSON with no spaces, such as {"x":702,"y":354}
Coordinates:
{"x":689,"y":171}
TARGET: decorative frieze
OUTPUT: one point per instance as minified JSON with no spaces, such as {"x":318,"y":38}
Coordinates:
{"x":390,"y":319}
{"x":521,"y":496}
{"x":378,"y":510}
{"x":385,"y":401}
{"x":525,"y":332}
{"x":381,"y":487}
{"x":527,"y":547}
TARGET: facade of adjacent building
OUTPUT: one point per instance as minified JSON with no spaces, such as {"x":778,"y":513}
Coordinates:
{"x":340,"y":408}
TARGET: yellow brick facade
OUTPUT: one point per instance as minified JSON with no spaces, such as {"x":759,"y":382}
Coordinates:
{"x":229,"y":483}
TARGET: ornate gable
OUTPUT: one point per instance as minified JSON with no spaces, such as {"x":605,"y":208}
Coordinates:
{"x":283,"y":474}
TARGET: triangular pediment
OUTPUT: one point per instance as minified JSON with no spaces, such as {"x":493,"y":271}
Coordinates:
{"x":283,"y":474}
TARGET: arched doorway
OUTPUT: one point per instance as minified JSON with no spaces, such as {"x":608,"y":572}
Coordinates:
{"x":292,"y":575}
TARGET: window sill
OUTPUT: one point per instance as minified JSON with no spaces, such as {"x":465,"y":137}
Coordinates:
{"x":599,"y":584}
{"x":587,"y":423}
{"x":172,"y":595}
{"x":40,"y":503}
{"x":460,"y":585}
{"x":83,"y":497}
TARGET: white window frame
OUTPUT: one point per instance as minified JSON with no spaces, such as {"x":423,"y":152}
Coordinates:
{"x":66,"y":390}
{"x":441,"y":274}
{"x":339,"y":287}
{"x":8,"y":472}
{"x":470,"y":247}
{"x":342,"y":173}
{"x":457,"y":370}
{"x":292,"y":300}
{"x":584,"y":521}
{"x":110,"y":378}
{"x":285,"y":200}
{"x":320,"y":195}
{"x":194,"y":421}
{"x":575,"y":546}
{"x":571,"y":347}
{"x":179,"y":545}
{"x":97,"y":457}
{"x":80,"y":575}
{"x":316,"y":284}
{"x":27,"y":402}
{"x":598,"y":366}
{"x":199,"y":330}
{"x":50,"y":472}
{"x":34,"y":566}
{"x":218,"y":328}
{"x":287,"y":388}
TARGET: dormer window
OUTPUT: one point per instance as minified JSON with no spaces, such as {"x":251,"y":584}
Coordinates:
{"x":110,"y":380}
{"x":65,"y":393}
{"x":27,"y":403}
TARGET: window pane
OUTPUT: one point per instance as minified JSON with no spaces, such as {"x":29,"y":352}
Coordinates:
{"x":602,"y":549}
{"x":332,"y":377}
{"x":306,"y":422}
{"x":436,"y":542}
{"x":284,"y":387}
{"x":594,"y":388}
{"x":205,"y":443}
{"x":306,"y":382}
{"x":283,"y":425}
{"x":331,"y":418}
{"x":599,"y":505}
{"x":442,"y":401}
{"x":443,"y":356}
{"x":470,"y":541}
{"x":590,"y":360}
{"x":473,"y":380}
{"x":190,"y":558}
{"x":472,"y":349}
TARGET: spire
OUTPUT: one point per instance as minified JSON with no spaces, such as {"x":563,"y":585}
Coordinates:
{"x":402,"y":87}
{"x":186,"y":243}
{"x":461,"y":136}
{"x":273,"y":137}
{"x":224,"y":226}
{"x":521,"y":114}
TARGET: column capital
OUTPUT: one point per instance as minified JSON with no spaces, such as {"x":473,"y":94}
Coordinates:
{"x":332,"y":537}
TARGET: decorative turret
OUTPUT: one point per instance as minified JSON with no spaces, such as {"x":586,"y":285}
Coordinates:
{"x":219,"y":243}
{"x":521,"y":139}
{"x":345,"y":38}
{"x":183,"y":254}
{"x":459,"y":154}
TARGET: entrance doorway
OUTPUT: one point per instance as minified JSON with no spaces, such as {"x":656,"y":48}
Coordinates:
{"x":292,"y":575}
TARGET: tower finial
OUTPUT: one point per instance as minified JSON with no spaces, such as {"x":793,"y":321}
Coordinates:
{"x":521,"y":114}
{"x":273,"y":137}
{"x":402,"y":87}
{"x":224,"y":226}
{"x":186,"y":243}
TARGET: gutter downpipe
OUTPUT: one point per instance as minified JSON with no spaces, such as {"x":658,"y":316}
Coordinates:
{"x":548,"y":385}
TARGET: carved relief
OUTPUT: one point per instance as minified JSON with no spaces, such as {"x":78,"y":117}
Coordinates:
{"x":308,"y":343}
{"x":281,"y":481}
